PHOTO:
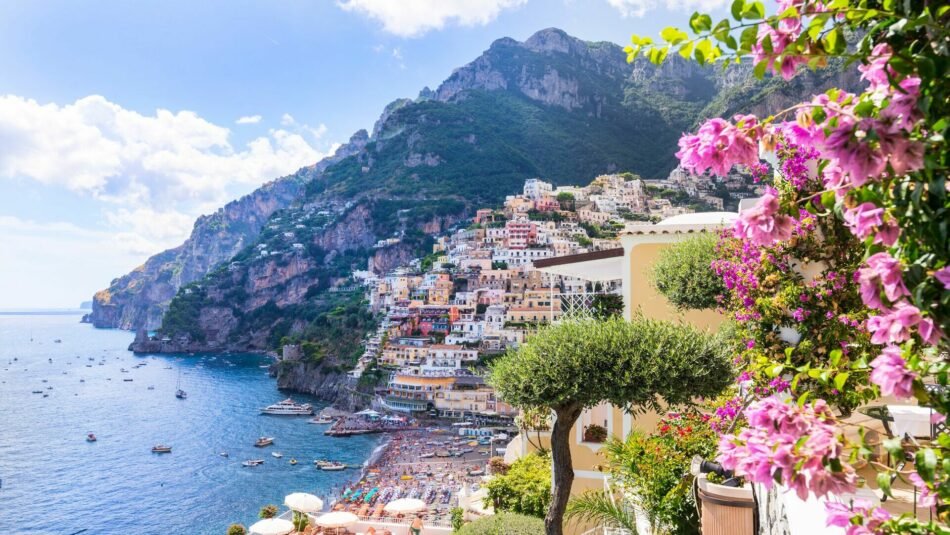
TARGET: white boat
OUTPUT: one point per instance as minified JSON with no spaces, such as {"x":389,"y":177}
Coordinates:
{"x":332,"y":467}
{"x":322,"y":420}
{"x":288,"y":408}
{"x":277,"y":454}
{"x":264,"y":441}
{"x":252,"y":462}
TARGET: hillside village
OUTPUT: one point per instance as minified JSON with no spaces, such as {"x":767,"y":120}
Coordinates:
{"x":442,"y":317}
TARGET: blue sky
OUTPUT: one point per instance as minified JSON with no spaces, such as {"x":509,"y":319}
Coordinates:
{"x":120,"y":121}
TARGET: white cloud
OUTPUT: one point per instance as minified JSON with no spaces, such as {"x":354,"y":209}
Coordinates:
{"x":412,"y":18}
{"x":152,"y":175}
{"x":249,"y":119}
{"x":97,"y":148}
{"x":639,"y":8}
{"x":287,"y":120}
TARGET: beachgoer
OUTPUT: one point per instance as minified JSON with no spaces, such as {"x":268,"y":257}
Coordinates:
{"x":416,"y":527}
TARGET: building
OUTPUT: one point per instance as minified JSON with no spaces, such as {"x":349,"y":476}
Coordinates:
{"x":535,"y":188}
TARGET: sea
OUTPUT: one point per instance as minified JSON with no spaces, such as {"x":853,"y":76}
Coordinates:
{"x":52,"y":481}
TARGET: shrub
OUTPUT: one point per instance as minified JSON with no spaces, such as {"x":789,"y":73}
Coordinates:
{"x":498,"y":466}
{"x":595,"y":433}
{"x":458,"y":519}
{"x":683,"y":273}
{"x":268,"y":511}
{"x":526,"y":488}
{"x":504,"y":524}
{"x":606,"y":305}
{"x":237,"y":529}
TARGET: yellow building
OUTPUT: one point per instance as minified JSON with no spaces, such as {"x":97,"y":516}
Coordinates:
{"x":403,"y":355}
{"x":631,"y":265}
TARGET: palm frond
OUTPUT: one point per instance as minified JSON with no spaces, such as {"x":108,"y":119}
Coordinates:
{"x":597,"y":507}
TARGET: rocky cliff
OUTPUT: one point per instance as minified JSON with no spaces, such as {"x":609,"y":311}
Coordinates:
{"x":553,"y":106}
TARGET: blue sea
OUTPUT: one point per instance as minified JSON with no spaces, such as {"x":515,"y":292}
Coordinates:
{"x":54,"y":482}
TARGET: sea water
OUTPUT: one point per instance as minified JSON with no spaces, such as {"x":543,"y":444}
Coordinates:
{"x":54,"y":481}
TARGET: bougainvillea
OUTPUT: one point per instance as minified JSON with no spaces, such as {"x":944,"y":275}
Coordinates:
{"x":838,"y":276}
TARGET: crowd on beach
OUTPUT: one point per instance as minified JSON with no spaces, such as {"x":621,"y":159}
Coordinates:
{"x":408,"y":467}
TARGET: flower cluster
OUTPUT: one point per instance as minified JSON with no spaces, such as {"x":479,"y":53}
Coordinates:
{"x":799,"y":447}
{"x":719,"y":145}
{"x":859,"y":519}
{"x":763,"y":224}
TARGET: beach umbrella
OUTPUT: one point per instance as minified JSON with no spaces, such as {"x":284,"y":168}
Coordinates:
{"x":303,"y":502}
{"x":336,"y":519}
{"x":405,"y":505}
{"x":272,"y":526}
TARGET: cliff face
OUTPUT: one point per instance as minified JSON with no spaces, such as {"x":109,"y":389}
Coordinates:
{"x":139,"y":298}
{"x":553,"y":106}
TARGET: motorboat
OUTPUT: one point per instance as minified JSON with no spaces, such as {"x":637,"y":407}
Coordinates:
{"x":332,"y":467}
{"x":322,"y":420}
{"x":264,"y":441}
{"x":160,"y":448}
{"x":293,"y":461}
{"x":91,"y":437}
{"x":277,"y":454}
{"x":288,"y":408}
{"x":224,"y":454}
{"x":127,"y":380}
{"x":252,"y":462}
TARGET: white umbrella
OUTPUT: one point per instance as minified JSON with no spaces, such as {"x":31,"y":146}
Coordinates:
{"x":337,"y":519}
{"x":272,"y":526}
{"x":303,"y":502}
{"x":405,"y":505}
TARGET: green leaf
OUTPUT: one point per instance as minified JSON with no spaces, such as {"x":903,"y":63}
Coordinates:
{"x":926,"y":462}
{"x":748,"y":37}
{"x":673,"y":35}
{"x":700,"y":22}
{"x":884,"y":482}
{"x":893,"y":446}
{"x":686,"y":50}
{"x":755,"y":10}
{"x":802,"y":399}
{"x":841,"y":379}
{"x":828,"y":201}
{"x":738,"y":6}
{"x":835,"y":354}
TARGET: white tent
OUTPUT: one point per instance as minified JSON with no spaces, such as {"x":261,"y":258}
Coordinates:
{"x":303,"y":502}
{"x":368,"y":412}
{"x":272,"y":526}
{"x":405,"y":505}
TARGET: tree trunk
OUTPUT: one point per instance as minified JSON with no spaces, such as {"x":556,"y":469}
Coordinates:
{"x":563,"y":469}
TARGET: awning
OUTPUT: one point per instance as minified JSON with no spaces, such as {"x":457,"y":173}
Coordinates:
{"x":596,"y":266}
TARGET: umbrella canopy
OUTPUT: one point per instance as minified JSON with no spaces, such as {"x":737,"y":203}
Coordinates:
{"x":272,"y":526}
{"x":405,"y":505}
{"x":367,"y":412}
{"x":338,"y":519}
{"x":303,"y":502}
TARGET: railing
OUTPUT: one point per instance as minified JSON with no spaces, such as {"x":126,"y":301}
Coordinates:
{"x":604,"y":530}
{"x":579,"y":304}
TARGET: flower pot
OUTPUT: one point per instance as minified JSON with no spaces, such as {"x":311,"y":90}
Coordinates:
{"x":726,"y":510}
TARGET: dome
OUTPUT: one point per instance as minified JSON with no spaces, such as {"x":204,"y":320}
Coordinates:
{"x":700,"y":218}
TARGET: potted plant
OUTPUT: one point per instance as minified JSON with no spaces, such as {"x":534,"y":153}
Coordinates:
{"x":595,"y":433}
{"x":725,"y":510}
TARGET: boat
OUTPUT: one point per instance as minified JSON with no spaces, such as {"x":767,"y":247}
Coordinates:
{"x":37,"y":391}
{"x":264,"y":441}
{"x":332,"y":467}
{"x":160,"y":448}
{"x":58,"y":341}
{"x":293,"y":461}
{"x":277,"y":454}
{"x":179,"y":393}
{"x":323,"y":420}
{"x":127,"y":380}
{"x":288,"y":408}
{"x":224,"y":454}
{"x":252,"y":462}
{"x":151,"y":387}
{"x":91,"y":437}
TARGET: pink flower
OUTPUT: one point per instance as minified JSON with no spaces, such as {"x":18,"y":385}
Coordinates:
{"x":943,"y":276}
{"x":719,"y":145}
{"x":859,"y":519}
{"x":887,"y":234}
{"x":856,"y":156}
{"x":790,"y":444}
{"x":863,"y":219}
{"x":882,"y":270}
{"x":875,"y":72}
{"x":893,"y":326}
{"x":891,"y":374}
{"x":927,"y":498}
{"x":761,"y":224}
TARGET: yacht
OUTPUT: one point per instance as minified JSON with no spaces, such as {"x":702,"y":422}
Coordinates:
{"x":288,"y":407}
{"x":160,"y":448}
{"x":252,"y":462}
{"x":277,"y":454}
{"x":179,"y":393}
{"x":332,"y":467}
{"x":323,"y":420}
{"x":264,"y":441}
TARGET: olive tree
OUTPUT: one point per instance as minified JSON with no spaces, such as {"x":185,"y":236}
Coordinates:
{"x":575,"y":365}
{"x":684,"y":273}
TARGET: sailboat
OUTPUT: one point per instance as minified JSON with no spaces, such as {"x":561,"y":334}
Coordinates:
{"x":179,"y":393}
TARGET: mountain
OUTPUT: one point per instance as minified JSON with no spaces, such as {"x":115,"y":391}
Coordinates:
{"x":553,"y":106}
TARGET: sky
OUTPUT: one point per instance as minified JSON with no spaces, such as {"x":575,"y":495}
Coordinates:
{"x":121,"y":122}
